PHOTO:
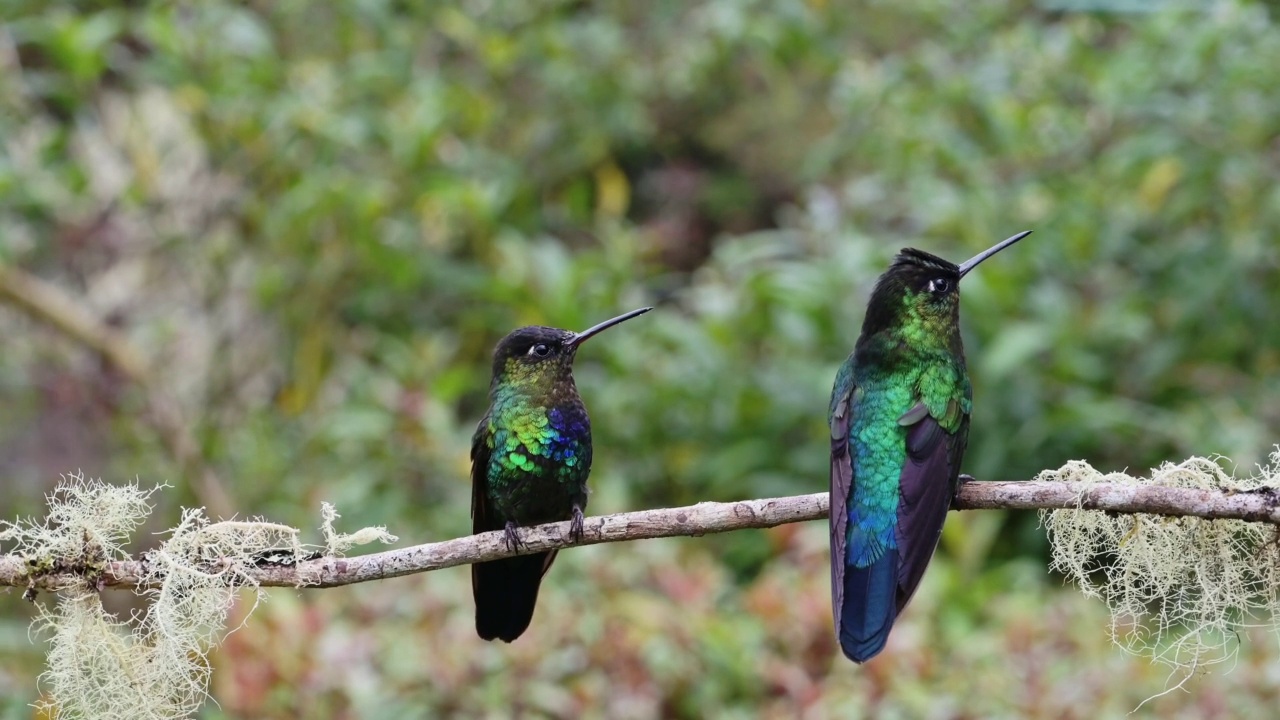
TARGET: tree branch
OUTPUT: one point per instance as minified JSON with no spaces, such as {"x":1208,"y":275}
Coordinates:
{"x":696,"y":520}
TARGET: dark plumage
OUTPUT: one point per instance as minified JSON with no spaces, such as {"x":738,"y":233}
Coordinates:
{"x":899,"y":419}
{"x":530,"y":458}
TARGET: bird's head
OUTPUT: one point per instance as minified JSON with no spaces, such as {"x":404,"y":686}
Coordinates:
{"x":920,"y":292}
{"x":536,"y":352}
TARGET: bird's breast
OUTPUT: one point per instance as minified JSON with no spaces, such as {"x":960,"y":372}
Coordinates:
{"x":540,"y":460}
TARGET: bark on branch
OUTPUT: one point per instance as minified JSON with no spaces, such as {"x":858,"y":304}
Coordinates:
{"x":697,"y":520}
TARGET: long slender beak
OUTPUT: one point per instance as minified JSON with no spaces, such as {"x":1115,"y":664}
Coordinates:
{"x":585,"y":335}
{"x":972,"y":262}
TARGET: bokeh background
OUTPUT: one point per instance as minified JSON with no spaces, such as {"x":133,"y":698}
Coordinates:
{"x":307,"y":224}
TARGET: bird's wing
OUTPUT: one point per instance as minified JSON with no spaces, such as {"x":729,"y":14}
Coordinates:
{"x":483,"y":517}
{"x":927,"y":486}
{"x":840,"y":418}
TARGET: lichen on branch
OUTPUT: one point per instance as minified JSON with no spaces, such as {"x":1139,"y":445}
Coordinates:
{"x":1178,"y":587}
{"x":1182,"y":557}
{"x":99,"y":666}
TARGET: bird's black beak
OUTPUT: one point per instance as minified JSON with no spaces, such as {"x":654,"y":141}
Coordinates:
{"x":579,"y":338}
{"x":972,"y":262}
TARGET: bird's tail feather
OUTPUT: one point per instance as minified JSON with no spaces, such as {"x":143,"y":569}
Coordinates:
{"x":506,"y":592}
{"x":869,"y":607}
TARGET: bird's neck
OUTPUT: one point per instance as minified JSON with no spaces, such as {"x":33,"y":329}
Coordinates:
{"x":908,"y":345}
{"x":546,"y":389}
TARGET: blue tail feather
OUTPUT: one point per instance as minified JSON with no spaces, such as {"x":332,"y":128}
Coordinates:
{"x":870,"y":606}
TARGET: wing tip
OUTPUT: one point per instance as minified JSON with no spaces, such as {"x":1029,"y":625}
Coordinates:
{"x":498,"y":632}
{"x":868,"y":608}
{"x":862,"y":647}
{"x":862,"y":650}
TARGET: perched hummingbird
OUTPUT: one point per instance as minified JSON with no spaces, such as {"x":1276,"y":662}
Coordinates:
{"x":899,"y":421}
{"x":530,"y":458}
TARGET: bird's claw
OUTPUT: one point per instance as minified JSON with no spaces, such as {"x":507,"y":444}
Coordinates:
{"x":575,"y":525}
{"x":511,"y":537}
{"x":961,"y":480}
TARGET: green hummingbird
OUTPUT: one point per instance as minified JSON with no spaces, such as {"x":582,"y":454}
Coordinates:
{"x":530,"y":458}
{"x":899,"y":418}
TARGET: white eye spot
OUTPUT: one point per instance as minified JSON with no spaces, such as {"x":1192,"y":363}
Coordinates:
{"x":540,"y":350}
{"x":939,"y":285}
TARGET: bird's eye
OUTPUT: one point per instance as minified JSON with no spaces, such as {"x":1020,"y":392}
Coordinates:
{"x":939,"y":285}
{"x":540,"y":350}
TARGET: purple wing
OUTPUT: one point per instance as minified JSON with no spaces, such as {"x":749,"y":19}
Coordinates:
{"x":483,"y":518}
{"x":841,"y":486}
{"x":927,"y":487}
{"x":481,"y":515}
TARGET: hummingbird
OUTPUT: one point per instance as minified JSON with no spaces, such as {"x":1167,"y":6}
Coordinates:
{"x":530,"y":458}
{"x":899,"y":418}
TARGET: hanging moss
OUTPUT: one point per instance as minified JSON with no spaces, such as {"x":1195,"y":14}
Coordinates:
{"x":1179,"y":588}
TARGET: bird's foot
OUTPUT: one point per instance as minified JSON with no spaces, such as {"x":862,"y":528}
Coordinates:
{"x":511,"y":536}
{"x":965,"y":478}
{"x":575,"y":526}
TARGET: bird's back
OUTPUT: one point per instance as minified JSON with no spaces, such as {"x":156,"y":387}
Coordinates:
{"x":895,"y":457}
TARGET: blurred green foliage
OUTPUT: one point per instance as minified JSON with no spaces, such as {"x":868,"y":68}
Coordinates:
{"x":316,"y":221}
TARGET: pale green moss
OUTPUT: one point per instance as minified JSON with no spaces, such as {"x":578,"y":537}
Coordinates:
{"x":154,"y":667}
{"x":1178,"y":588}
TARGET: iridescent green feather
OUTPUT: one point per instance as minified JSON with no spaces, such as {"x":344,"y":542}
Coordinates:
{"x":924,"y":372}
{"x":539,"y":439}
